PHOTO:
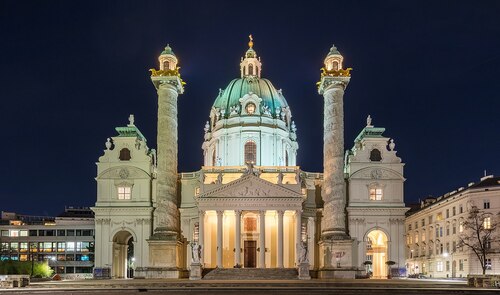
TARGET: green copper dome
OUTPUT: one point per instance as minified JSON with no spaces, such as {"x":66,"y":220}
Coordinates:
{"x":271,"y":98}
{"x":168,"y":50}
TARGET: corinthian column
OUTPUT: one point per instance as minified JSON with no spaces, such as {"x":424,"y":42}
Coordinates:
{"x":333,"y":82}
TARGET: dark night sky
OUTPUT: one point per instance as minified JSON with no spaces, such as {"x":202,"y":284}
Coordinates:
{"x":71,"y":71}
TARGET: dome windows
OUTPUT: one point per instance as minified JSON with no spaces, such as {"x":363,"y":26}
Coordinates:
{"x":250,"y":152}
{"x":250,"y":108}
{"x":250,"y":69}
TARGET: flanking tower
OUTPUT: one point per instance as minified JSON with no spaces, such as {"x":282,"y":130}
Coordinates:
{"x":165,"y":245}
{"x":335,"y":244}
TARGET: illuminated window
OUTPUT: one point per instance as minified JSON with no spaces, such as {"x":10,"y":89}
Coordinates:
{"x":61,"y":247}
{"x":250,"y":152}
{"x":461,"y":227}
{"x":375,"y":194}
{"x":416,"y":237}
{"x":14,"y":233}
{"x":460,"y":265}
{"x":335,"y":66}
{"x":375,"y":155}
{"x":166,"y":65}
{"x":487,"y":223}
{"x":439,"y":216}
{"x":23,"y":233}
{"x":125,"y":154}
{"x":439,"y":266}
{"x":23,"y":247}
{"x":70,"y":246}
{"x":124,"y":192}
{"x":487,"y":263}
{"x":423,"y":237}
{"x":23,"y":257}
{"x":250,"y":69}
{"x":250,"y":108}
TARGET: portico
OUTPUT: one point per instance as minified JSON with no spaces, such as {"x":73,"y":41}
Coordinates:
{"x":250,"y":223}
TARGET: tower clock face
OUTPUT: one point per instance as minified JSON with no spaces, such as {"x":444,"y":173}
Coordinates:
{"x":250,"y":108}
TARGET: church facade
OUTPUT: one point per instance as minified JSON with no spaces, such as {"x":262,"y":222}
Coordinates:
{"x":250,"y":205}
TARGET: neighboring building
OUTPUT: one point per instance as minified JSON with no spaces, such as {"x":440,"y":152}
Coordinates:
{"x":250,"y":205}
{"x":66,"y":241}
{"x":432,"y":232}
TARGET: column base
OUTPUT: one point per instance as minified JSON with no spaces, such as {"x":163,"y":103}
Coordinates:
{"x":336,"y":254}
{"x":304,"y":271}
{"x":165,"y":260}
{"x":196,"y":271}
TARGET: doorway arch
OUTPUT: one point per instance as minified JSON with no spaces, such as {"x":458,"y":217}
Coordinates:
{"x":377,"y":252}
{"x":123,"y":254}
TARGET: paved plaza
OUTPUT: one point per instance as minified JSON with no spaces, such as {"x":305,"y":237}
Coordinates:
{"x":111,"y":287}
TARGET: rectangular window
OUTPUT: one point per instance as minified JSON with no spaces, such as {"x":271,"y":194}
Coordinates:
{"x":23,"y":233}
{"x":23,"y":247}
{"x":423,"y":222}
{"x":461,"y":227}
{"x":61,"y":246}
{"x":78,"y":232}
{"x":14,"y":247}
{"x":439,"y":266}
{"x":33,"y":247}
{"x":78,"y":246}
{"x":61,"y":232}
{"x":375,"y":194}
{"x":423,"y":236}
{"x":70,"y":232}
{"x":416,"y":237}
{"x":87,"y":233}
{"x":70,"y":257}
{"x":430,"y":219}
{"x":5,"y":233}
{"x":124,"y":192}
{"x":85,"y":246}
{"x":487,"y":223}
{"x":454,"y":228}
{"x":461,"y":209}
{"x":447,"y":213}
{"x":439,"y":216}
{"x":4,"y":247}
{"x":454,"y":211}
{"x":447,"y":266}
{"x":50,"y":233}
{"x":33,"y":232}
{"x":23,"y":257}
{"x":437,"y":232}
{"x":441,"y":231}
{"x":70,"y":246}
{"x":447,"y":230}
{"x":487,"y":262}
{"x":14,"y":233}
{"x":441,"y":248}
{"x":454,"y":247}
{"x":416,"y":224}
{"x":486,"y":204}
{"x":460,"y":265}
{"x":41,"y":233}
{"x":447,"y":247}
{"x":409,"y":226}
{"x":61,"y":257}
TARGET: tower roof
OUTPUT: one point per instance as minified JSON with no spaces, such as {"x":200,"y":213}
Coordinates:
{"x":168,"y":50}
{"x":333,"y":51}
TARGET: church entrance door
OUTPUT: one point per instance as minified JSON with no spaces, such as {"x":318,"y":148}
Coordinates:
{"x":250,"y":251}
{"x":123,"y":255}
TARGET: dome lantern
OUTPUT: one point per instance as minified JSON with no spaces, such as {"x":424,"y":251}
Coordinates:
{"x":250,"y":65}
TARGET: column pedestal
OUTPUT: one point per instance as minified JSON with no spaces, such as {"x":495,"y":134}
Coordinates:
{"x":336,"y":259}
{"x":164,"y":261}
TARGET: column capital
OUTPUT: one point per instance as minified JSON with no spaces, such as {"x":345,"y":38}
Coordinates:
{"x":238,"y":212}
{"x":201,"y":212}
{"x":220,"y":212}
{"x":280,"y":212}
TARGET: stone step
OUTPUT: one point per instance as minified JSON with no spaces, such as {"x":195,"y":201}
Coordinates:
{"x":252,"y":274}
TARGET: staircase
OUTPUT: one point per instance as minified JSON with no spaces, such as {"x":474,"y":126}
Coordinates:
{"x":252,"y":274}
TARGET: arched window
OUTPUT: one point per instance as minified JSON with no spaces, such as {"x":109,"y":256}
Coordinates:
{"x":250,"y":152}
{"x":335,"y":66}
{"x":166,"y":65}
{"x":125,"y":154}
{"x":250,"y":69}
{"x":375,"y":155}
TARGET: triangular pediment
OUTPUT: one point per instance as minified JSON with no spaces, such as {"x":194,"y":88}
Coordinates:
{"x":251,"y":186}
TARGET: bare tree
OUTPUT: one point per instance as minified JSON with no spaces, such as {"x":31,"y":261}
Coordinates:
{"x":479,"y":232}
